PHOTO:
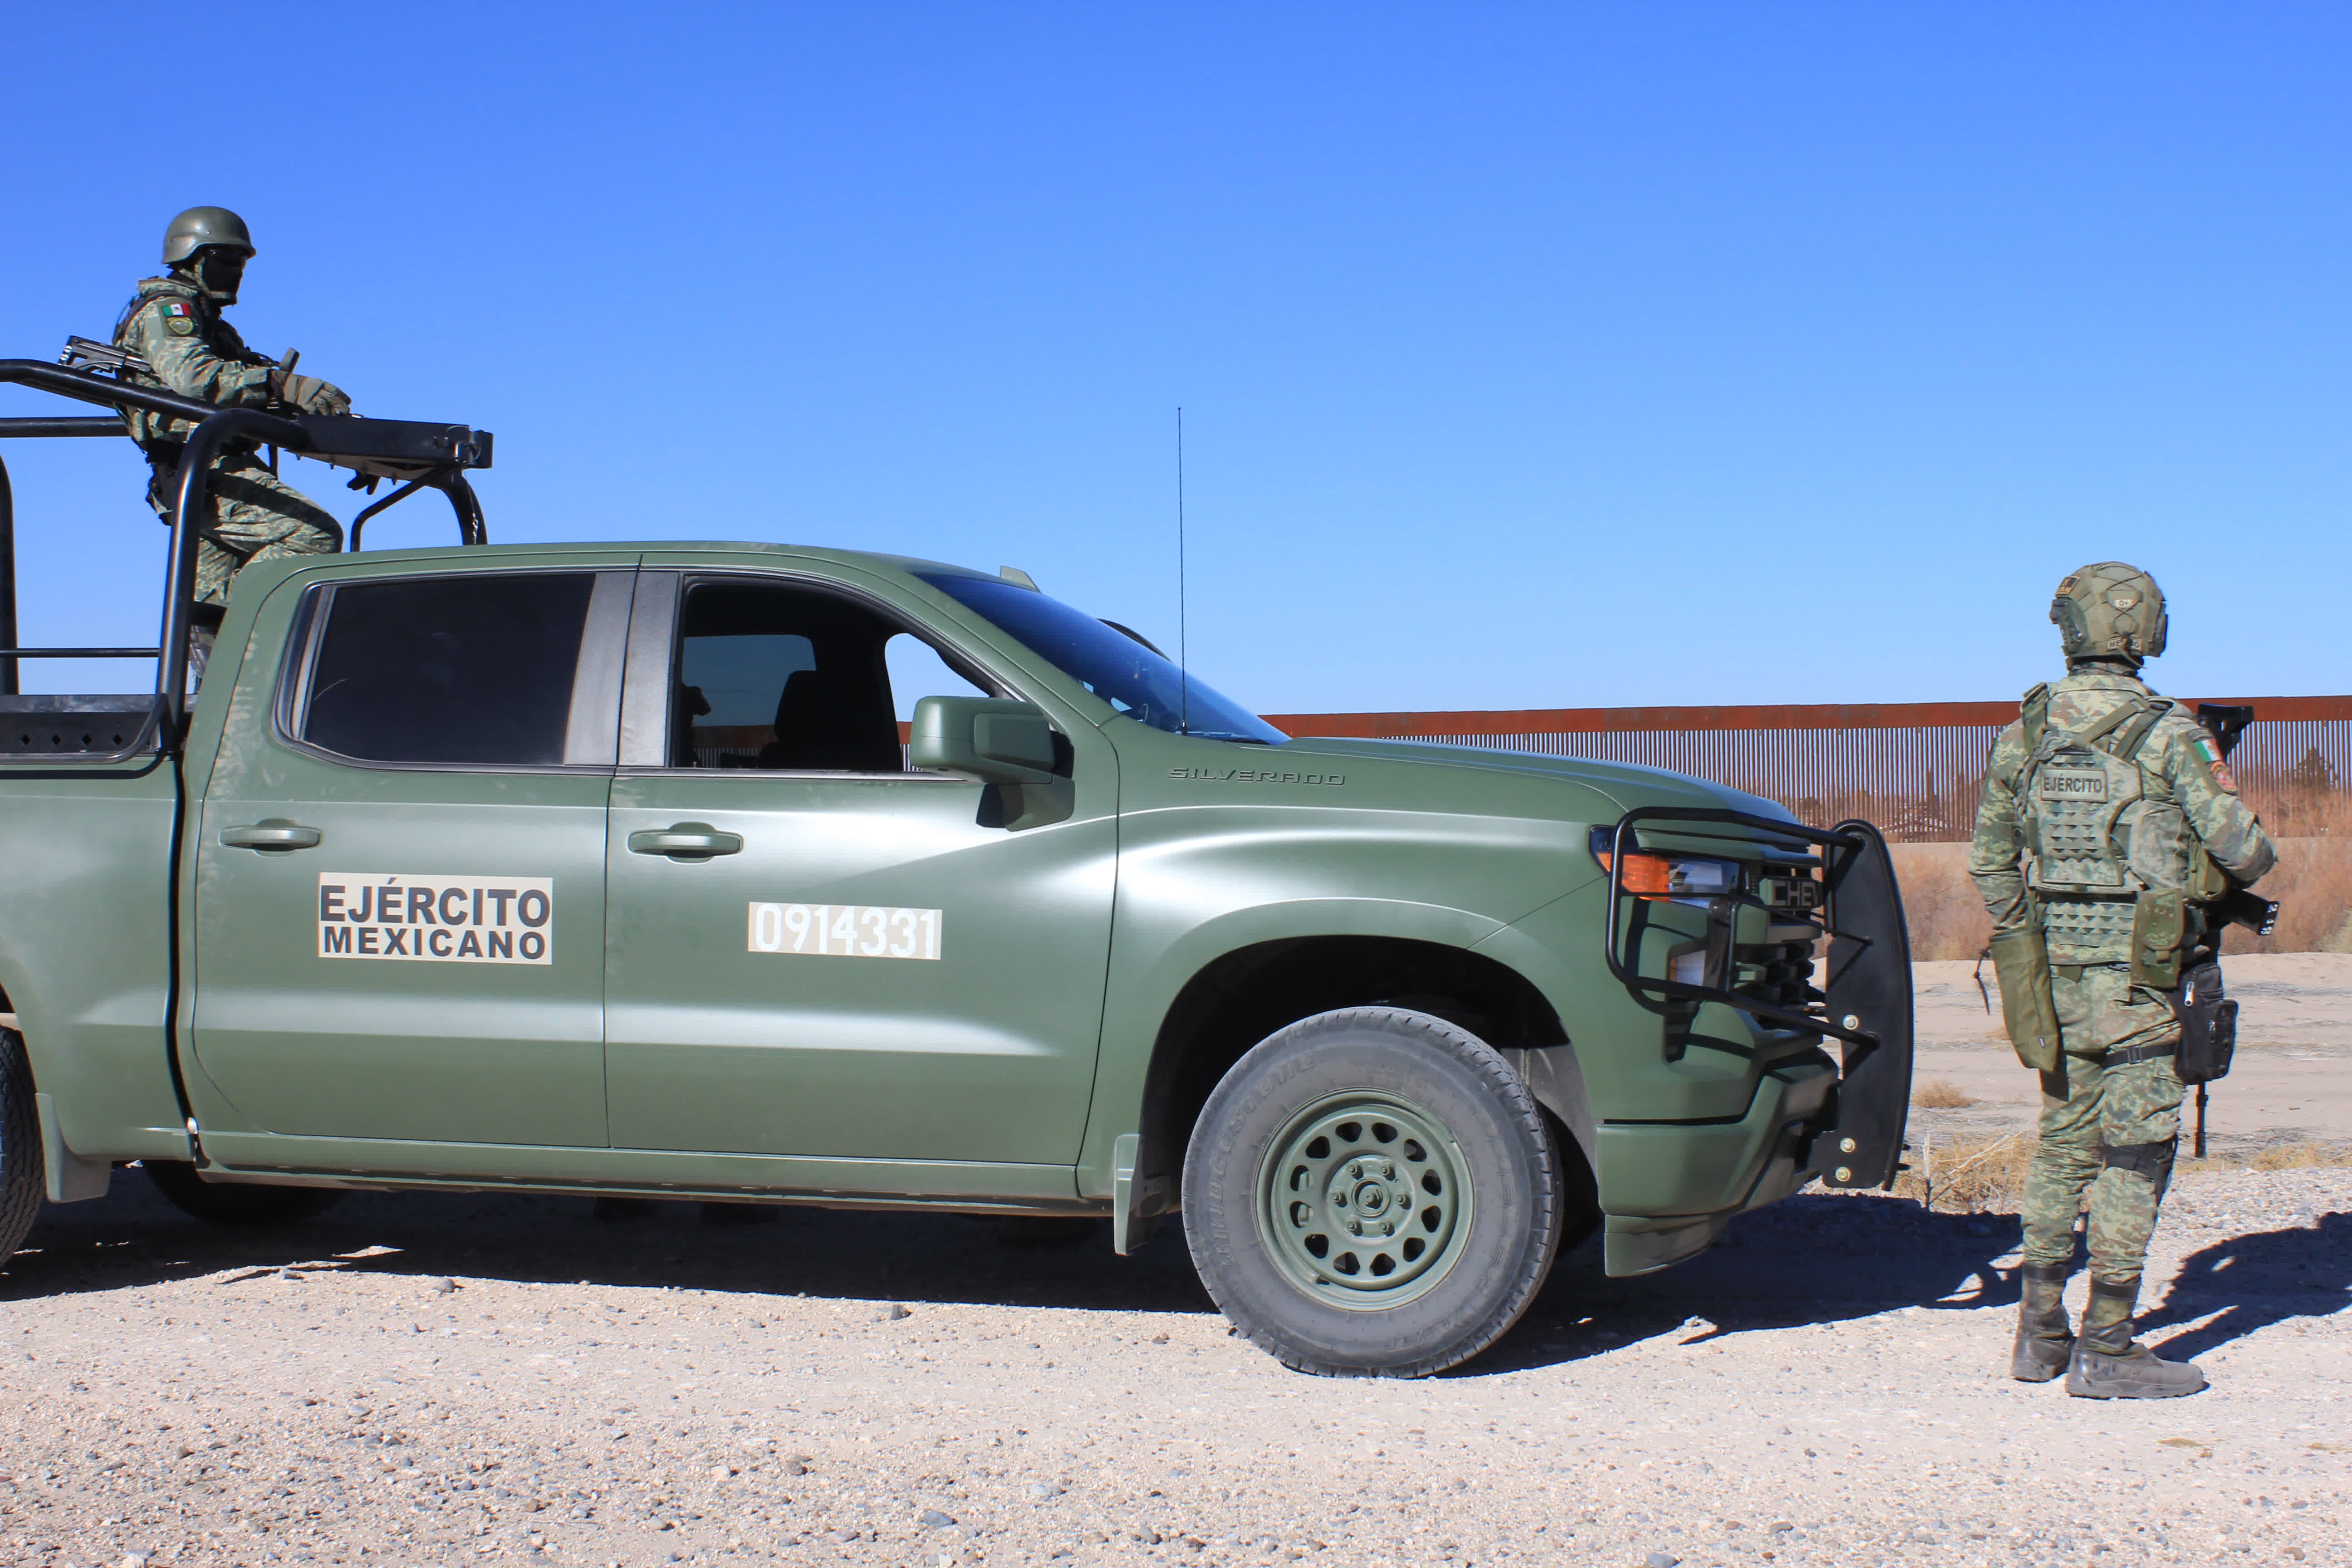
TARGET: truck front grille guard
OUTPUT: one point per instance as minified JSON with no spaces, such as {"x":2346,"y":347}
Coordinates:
{"x":1867,"y":990}
{"x":1627,"y":837}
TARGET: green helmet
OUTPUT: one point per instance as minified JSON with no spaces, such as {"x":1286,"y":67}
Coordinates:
{"x":200,"y":226}
{"x":2109,"y":610}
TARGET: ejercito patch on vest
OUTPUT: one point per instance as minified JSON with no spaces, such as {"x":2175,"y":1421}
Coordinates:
{"x":2071,"y":783}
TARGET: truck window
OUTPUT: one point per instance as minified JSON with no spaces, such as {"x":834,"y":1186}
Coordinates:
{"x":449,"y":670}
{"x":778,"y":677}
{"x":1138,"y":682}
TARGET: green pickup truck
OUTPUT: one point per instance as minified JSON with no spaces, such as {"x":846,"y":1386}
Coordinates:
{"x":615,"y":870}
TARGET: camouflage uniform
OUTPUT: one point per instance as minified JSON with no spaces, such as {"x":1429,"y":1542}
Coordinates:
{"x":2107,"y":1126}
{"x":197,"y":354}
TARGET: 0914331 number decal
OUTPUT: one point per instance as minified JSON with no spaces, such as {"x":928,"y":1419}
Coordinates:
{"x":846,"y":930}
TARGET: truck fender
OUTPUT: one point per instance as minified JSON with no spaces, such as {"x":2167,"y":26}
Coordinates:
{"x":1144,"y":994}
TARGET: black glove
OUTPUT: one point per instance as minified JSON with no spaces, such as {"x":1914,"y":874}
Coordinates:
{"x":308,"y":393}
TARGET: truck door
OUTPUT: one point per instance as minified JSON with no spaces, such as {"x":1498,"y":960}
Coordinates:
{"x":400,"y":881}
{"x":814,"y":951}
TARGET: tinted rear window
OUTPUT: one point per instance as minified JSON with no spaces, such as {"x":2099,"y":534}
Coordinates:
{"x":449,"y":670}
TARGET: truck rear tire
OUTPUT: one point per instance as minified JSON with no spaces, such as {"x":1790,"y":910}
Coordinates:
{"x":228,"y":1203}
{"x":1372,"y":1193}
{"x":21,"y":1183}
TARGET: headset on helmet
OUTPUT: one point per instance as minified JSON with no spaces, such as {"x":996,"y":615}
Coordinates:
{"x":2109,"y":610}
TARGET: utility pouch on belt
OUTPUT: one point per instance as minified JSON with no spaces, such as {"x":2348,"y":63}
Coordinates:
{"x":2207,"y":880}
{"x":2160,"y":922}
{"x":2209,"y":1024}
{"x":2021,"y":959}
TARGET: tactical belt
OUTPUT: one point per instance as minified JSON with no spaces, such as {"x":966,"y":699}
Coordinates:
{"x":2132,"y":1055}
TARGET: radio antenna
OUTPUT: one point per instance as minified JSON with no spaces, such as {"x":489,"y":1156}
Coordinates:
{"x":1183,"y":649}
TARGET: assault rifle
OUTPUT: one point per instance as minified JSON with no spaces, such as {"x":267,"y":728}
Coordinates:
{"x":2226,"y":722}
{"x":90,"y":355}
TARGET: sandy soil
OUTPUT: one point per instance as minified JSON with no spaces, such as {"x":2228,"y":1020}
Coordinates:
{"x":2289,"y":1082}
{"x":432,"y":1379}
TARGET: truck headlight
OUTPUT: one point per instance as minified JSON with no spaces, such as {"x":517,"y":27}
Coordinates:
{"x":1655,"y":875}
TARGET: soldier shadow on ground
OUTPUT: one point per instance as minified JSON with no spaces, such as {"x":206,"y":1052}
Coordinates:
{"x":1811,"y":1259}
{"x":2252,"y":1283}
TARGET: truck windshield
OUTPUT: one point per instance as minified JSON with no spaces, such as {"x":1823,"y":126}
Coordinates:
{"x":1110,"y":664}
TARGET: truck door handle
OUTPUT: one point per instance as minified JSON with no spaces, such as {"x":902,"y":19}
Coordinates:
{"x":275,"y":833}
{"x":685,"y":841}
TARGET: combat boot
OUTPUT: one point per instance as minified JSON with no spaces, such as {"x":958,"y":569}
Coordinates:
{"x":2045,"y":1340}
{"x":2108,"y":1364}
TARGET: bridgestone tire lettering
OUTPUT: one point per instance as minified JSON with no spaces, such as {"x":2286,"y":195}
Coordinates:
{"x":1499,"y":1141}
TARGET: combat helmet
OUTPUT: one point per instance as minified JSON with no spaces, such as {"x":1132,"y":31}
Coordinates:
{"x":2109,"y":609}
{"x":200,"y":226}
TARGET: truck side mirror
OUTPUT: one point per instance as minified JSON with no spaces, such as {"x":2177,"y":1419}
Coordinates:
{"x":983,"y":738}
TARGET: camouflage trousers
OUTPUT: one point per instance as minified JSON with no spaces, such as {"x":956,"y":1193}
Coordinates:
{"x":2091,"y":1113}
{"x":259,"y":517}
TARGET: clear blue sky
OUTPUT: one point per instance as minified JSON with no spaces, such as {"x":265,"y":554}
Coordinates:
{"x":1552,"y":355}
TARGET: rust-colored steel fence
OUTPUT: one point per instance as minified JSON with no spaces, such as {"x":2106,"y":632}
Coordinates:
{"x":1913,"y":768}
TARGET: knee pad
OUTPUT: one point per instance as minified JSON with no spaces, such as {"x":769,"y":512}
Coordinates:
{"x":2153,"y":1160}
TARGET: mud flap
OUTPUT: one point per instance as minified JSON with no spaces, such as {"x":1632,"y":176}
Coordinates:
{"x":1869,"y":990}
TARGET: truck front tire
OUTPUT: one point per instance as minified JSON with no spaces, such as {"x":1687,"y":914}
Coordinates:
{"x":20,"y":1146}
{"x":1372,"y":1193}
{"x":230,"y":1202}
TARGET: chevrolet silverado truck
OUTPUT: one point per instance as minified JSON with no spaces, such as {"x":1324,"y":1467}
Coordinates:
{"x":764,"y":873}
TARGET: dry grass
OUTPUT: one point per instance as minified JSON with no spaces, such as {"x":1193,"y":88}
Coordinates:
{"x":1973,"y":1173}
{"x":1940,"y":1094}
{"x":2313,"y":883}
{"x":1968,"y":1174}
{"x":1939,"y":902}
{"x":2292,"y":1157}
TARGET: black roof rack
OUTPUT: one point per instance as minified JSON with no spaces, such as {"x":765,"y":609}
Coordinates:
{"x":416,"y":456}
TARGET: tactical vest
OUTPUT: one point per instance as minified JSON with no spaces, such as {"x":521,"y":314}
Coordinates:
{"x":158,"y":434}
{"x":2100,"y":827}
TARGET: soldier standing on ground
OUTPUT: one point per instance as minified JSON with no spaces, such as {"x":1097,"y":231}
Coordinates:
{"x":174,"y":323}
{"x":2105,"y":808}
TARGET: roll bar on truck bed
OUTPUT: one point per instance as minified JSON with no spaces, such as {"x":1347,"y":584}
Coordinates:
{"x":414,"y":455}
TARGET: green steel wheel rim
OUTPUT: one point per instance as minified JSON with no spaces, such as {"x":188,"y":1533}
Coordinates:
{"x":1364,"y":1201}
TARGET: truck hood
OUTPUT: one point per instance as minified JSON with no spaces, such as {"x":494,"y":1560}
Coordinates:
{"x":1624,"y":785}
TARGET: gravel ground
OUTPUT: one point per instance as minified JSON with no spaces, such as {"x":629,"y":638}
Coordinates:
{"x":2289,"y":1084}
{"x":440,"y":1378}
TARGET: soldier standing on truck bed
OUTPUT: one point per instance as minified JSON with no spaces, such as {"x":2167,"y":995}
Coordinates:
{"x":174,"y":323}
{"x":2127,"y":825}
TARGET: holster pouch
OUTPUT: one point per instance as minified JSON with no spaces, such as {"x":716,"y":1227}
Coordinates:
{"x":2207,"y":880}
{"x":2160,"y":927}
{"x":2021,"y":959}
{"x":2209,"y":1024}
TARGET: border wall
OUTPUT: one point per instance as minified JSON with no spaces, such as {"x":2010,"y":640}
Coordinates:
{"x":1913,"y":768}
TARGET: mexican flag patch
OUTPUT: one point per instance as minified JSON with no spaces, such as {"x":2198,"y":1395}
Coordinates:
{"x":178,"y":319}
{"x":2212,"y":756}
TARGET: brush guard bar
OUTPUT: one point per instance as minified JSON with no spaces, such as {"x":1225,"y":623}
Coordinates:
{"x":1865,"y":1001}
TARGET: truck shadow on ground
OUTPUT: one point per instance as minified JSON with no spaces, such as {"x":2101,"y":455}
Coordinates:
{"x":1811,"y":1260}
{"x":131,"y":1238}
{"x":1858,"y":1256}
